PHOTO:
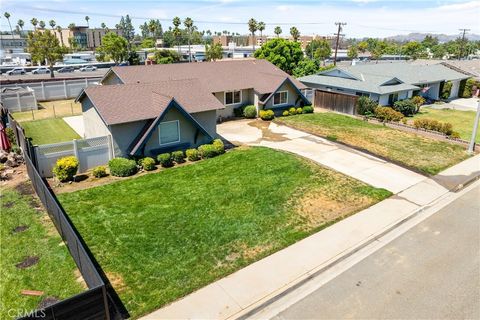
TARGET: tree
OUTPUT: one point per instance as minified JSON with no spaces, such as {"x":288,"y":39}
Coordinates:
{"x":306,"y":67}
{"x":352,"y":52}
{"x":7,"y":16}
{"x":323,"y":51}
{"x":34,"y":23}
{"x":126,"y":26}
{"x":312,"y":46}
{"x":114,"y":46}
{"x":20,"y":23}
{"x":377,"y":49}
{"x":294,"y":33}
{"x":429,"y":41}
{"x":166,"y":57}
{"x":52,"y":24}
{"x":413,"y":49}
{"x":44,"y":46}
{"x":362,"y":46}
{"x":278,"y":31}
{"x":87,"y":18}
{"x":103,"y":26}
{"x":252,"y":27}
{"x":71,"y":26}
{"x":59,"y":30}
{"x":261,"y":27}
{"x":176,"y":31}
{"x":41,"y":24}
{"x":438,"y":51}
{"x":133,"y":58}
{"x":189,"y":27}
{"x":214,"y":52}
{"x":283,"y":53}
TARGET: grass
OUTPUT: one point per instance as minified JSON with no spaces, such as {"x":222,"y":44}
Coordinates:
{"x":462,"y":121}
{"x":426,"y":155}
{"x":49,"y":131}
{"x":54,"y":274}
{"x":163,"y":235}
{"x":50,"y":109}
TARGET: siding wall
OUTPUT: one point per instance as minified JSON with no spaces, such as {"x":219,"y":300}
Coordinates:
{"x":247,"y":98}
{"x":292,"y":97}
{"x":94,"y":125}
{"x":111,"y":79}
{"x":455,"y":87}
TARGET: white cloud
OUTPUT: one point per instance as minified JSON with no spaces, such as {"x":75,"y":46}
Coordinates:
{"x":461,"y":6}
{"x":364,"y":1}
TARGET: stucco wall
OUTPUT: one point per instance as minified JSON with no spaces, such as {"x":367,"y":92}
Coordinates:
{"x":123,"y":135}
{"x":94,"y":125}
{"x":454,"y":90}
{"x":111,"y":79}
{"x":247,"y":98}
{"x":292,"y":97}
{"x":208,"y":121}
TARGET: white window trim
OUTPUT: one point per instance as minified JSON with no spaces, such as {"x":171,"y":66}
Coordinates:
{"x":278,"y":104}
{"x":233,"y":91}
{"x":160,"y":137}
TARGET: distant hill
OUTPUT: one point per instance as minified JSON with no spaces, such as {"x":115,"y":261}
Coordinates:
{"x":441,"y":37}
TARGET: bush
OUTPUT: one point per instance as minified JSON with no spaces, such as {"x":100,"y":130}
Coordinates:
{"x":285,"y":113}
{"x":99,"y":172}
{"x":299,"y":110}
{"x":292,"y":111}
{"x":307,"y":109}
{"x":165,"y":160}
{"x":178,"y":156}
{"x":250,"y":112}
{"x":455,"y":135}
{"x":238,"y":112}
{"x":434,"y":125}
{"x":193,"y":154}
{"x":207,"y":151}
{"x":148,"y":164}
{"x":446,"y":128}
{"x":406,"y":107}
{"x":466,"y":88}
{"x":404,"y":121}
{"x":366,"y":106}
{"x":418,"y":101}
{"x":122,"y":167}
{"x":65,"y":168}
{"x":387,"y":114}
{"x":447,"y":88}
{"x":219,"y":146}
{"x":11,"y":135}
{"x":266,"y":115}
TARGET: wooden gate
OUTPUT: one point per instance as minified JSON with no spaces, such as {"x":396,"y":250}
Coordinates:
{"x":335,"y":101}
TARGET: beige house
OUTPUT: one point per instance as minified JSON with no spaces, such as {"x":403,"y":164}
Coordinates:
{"x":86,"y":38}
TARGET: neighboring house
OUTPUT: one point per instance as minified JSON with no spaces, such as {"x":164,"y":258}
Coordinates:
{"x":160,"y":108}
{"x":387,"y":82}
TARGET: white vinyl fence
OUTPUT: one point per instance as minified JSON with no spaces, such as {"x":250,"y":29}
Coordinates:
{"x":19,"y":99}
{"x":90,"y":153}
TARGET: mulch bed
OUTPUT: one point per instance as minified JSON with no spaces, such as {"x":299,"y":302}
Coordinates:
{"x":24,"y":188}
{"x":27,"y":262}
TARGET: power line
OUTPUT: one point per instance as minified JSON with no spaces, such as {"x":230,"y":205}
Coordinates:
{"x":340,"y":25}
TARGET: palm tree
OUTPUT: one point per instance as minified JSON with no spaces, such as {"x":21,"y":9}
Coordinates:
{"x":294,"y":33}
{"x":86,"y":19}
{"x":34,"y":23}
{"x":253,"y":27}
{"x":52,"y":24}
{"x":188,"y":23}
{"x":278,"y":31}
{"x":41,"y":24}
{"x":59,"y":30}
{"x":7,"y":15}
{"x":261,"y":27}
{"x":103,"y":25}
{"x":21,"y":23}
{"x":176,"y":31}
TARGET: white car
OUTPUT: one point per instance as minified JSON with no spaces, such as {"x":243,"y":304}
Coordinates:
{"x":88,"y":68}
{"x":41,"y":70}
{"x":15,"y":71}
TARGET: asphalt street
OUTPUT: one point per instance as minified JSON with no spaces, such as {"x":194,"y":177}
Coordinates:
{"x":430,"y":272}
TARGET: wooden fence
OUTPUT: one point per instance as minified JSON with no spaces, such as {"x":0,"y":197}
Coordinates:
{"x":335,"y":101}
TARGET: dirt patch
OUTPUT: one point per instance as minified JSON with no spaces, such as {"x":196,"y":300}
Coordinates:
{"x":20,"y":228}
{"x":117,"y":281}
{"x":48,"y":225}
{"x":47,"y":301}
{"x":267,"y":134}
{"x":27,"y":262}
{"x":253,"y":252}
{"x":79,"y":279}
{"x":16,"y":176}
{"x":8,"y":204}
{"x":24,"y":188}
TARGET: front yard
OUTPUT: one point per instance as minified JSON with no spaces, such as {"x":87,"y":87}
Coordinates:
{"x":49,"y":131}
{"x":163,"y":235}
{"x":423,"y":154}
{"x":32,"y":255}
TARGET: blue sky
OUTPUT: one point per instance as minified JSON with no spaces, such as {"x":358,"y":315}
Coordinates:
{"x":364,"y":17}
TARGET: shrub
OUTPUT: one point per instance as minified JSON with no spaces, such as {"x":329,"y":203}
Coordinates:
{"x":11,"y":135}
{"x":66,"y":168}
{"x":466,"y":88}
{"x":434,"y":125}
{"x":404,"y":120}
{"x":365,"y":105}
{"x":207,"y":151}
{"x":299,"y":111}
{"x":178,"y":156}
{"x":387,"y":114}
{"x":285,"y":113}
{"x":406,"y":107}
{"x":238,"y":112}
{"x":447,"y":88}
{"x":193,"y":154}
{"x":99,"y":172}
{"x":266,"y":115}
{"x":455,"y":135}
{"x":292,"y":111}
{"x":148,"y":164}
{"x":219,"y":146}
{"x":446,"y":128}
{"x":250,"y":112}
{"x":122,"y":167}
{"x":418,"y":101}
{"x":307,"y":109}
{"x":165,"y":160}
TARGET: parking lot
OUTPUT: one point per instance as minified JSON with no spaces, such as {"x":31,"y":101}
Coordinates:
{"x":76,"y":74}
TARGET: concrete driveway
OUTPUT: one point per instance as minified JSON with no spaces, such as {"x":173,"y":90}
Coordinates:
{"x":462,"y":104}
{"x":374,"y":171}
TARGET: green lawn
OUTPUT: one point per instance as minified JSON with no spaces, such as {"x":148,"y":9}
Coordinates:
{"x":164,"y":235}
{"x":49,"y":131}
{"x":55,"y":271}
{"x":426,"y":155}
{"x":462,"y":121}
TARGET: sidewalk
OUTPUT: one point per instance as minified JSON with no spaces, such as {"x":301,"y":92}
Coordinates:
{"x":240,"y":292}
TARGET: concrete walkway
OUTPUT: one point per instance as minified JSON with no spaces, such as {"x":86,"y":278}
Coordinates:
{"x":76,"y":123}
{"x":369,"y":169}
{"x":257,"y":284}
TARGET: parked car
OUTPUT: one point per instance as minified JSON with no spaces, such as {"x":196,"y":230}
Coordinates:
{"x":15,"y":71}
{"x":66,"y":69}
{"x":41,"y":70}
{"x":88,"y":68}
{"x":124,"y":64}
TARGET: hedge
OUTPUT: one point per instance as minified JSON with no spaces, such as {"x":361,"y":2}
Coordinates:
{"x":122,"y":167}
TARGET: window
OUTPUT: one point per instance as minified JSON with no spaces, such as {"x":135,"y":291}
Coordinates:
{"x":233,"y":97}
{"x":169,"y":132}
{"x":280,"y":97}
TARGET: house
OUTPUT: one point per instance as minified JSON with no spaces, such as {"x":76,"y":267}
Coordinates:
{"x":160,"y":108}
{"x":387,"y":82}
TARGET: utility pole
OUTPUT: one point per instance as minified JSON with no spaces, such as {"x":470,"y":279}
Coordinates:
{"x":463,"y":42}
{"x":471,"y":146}
{"x":339,"y":24}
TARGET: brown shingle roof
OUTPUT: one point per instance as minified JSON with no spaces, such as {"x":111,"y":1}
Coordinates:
{"x":133,"y":102}
{"x":218,"y":76}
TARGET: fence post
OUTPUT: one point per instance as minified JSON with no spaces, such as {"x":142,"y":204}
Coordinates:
{"x":65,"y":88}
{"x":43,"y":91}
{"x":86,"y":82}
{"x":19,"y":102}
{"x":75,"y":151}
{"x":54,"y":113}
{"x":110,"y":147}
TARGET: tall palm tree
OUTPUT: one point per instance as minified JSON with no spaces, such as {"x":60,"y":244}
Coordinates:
{"x":7,"y":15}
{"x":21,"y":23}
{"x":103,"y":25}
{"x":294,"y":33}
{"x":41,"y":24}
{"x":278,"y":31}
{"x":189,"y":27}
{"x":176,"y":31}
{"x":34,"y":23}
{"x":87,"y":18}
{"x":253,"y":27}
{"x":59,"y":30}
{"x":261,"y":27}
{"x":52,"y":24}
